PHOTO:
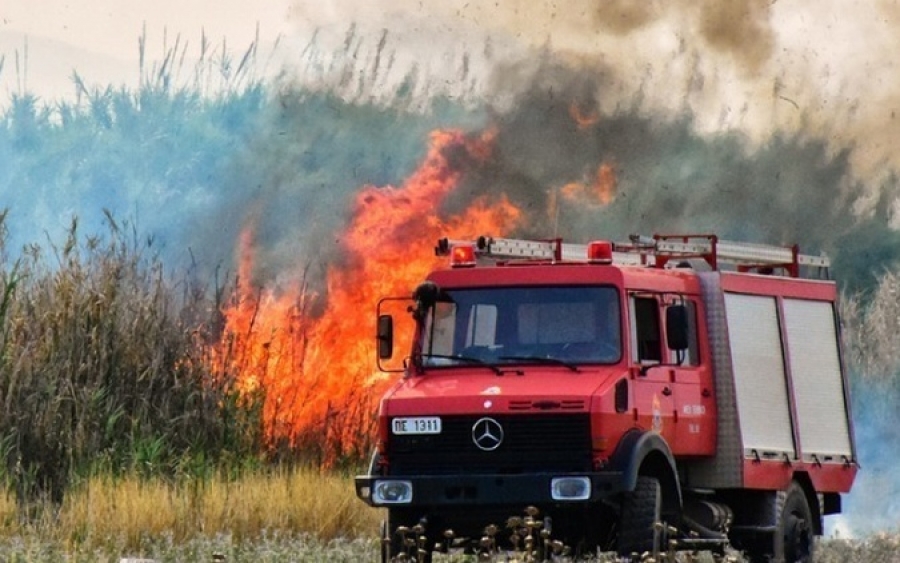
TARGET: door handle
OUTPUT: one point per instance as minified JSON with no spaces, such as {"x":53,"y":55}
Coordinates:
{"x":666,"y":391}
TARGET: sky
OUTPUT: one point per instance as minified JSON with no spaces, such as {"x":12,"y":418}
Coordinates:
{"x":99,"y":38}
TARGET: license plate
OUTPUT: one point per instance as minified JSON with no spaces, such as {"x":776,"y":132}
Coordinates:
{"x":416,"y":425}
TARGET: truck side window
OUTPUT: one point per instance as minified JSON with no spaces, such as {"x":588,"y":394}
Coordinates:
{"x":646,"y":338}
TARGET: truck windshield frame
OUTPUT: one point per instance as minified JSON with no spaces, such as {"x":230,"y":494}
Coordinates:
{"x":546,"y":325}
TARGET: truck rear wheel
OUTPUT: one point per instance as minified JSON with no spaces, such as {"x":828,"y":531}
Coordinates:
{"x":641,"y":511}
{"x":795,"y":532}
{"x":793,"y":538}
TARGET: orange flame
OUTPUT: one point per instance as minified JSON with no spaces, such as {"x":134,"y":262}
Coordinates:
{"x":604,"y":188}
{"x":583,"y":119}
{"x":601,"y":189}
{"x":316,"y":372}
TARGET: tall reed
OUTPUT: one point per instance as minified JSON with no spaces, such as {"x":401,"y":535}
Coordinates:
{"x":99,"y":369}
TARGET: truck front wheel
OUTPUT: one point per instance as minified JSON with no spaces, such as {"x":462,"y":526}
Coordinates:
{"x":638,"y":524}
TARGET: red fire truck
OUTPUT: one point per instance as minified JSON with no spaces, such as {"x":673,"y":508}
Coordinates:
{"x":666,"y":388}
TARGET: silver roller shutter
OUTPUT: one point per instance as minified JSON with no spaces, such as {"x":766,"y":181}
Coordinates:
{"x":760,"y":386}
{"x":817,"y":380}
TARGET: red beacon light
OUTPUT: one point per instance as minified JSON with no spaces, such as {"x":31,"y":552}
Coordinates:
{"x":600,"y":252}
{"x":462,"y":255}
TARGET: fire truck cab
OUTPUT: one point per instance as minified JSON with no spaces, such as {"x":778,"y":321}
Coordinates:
{"x":667,"y":388}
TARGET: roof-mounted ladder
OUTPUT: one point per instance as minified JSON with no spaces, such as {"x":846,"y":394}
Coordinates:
{"x":658,"y":251}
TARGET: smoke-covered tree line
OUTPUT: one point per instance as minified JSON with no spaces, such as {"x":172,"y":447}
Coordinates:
{"x":669,"y":178}
{"x":190,"y":170}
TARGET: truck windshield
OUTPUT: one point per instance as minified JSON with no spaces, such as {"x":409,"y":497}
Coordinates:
{"x":562,"y":325}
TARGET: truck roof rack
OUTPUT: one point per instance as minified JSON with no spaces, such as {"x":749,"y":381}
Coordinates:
{"x":657,"y":251}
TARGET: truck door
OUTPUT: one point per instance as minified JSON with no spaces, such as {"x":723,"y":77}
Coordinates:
{"x":690,"y":379}
{"x":653,"y":404}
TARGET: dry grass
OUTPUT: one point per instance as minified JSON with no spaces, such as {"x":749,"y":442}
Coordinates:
{"x":273,"y":515}
{"x":133,"y":509}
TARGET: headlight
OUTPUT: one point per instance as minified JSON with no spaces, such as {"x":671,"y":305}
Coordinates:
{"x":392,"y":492}
{"x":570,"y":488}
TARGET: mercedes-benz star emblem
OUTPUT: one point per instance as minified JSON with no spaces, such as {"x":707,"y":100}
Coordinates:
{"x":487,"y":434}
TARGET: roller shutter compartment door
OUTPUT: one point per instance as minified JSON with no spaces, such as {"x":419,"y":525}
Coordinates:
{"x":759,"y":377}
{"x":817,"y":379}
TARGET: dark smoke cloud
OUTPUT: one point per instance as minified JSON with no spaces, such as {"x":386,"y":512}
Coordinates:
{"x":739,"y":29}
{"x":746,"y":119}
{"x":622,"y":16}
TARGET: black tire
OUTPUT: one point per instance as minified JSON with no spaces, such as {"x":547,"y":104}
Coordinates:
{"x":795,"y":535}
{"x":794,"y":538}
{"x":639,"y":531}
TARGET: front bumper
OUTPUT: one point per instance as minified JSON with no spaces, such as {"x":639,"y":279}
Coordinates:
{"x":475,"y":490}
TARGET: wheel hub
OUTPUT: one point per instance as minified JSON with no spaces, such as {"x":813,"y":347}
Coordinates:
{"x":797,"y":538}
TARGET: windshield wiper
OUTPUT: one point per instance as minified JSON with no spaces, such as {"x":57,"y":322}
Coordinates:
{"x":541,"y":360}
{"x":468,"y":359}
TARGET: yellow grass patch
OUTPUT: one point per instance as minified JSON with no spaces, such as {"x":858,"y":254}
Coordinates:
{"x":126,"y":509}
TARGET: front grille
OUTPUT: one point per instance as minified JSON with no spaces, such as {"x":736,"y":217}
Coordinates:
{"x":531,"y":443}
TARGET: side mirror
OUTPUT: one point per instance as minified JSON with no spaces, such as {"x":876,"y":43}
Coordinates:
{"x":385,"y":337}
{"x":677,"y":327}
